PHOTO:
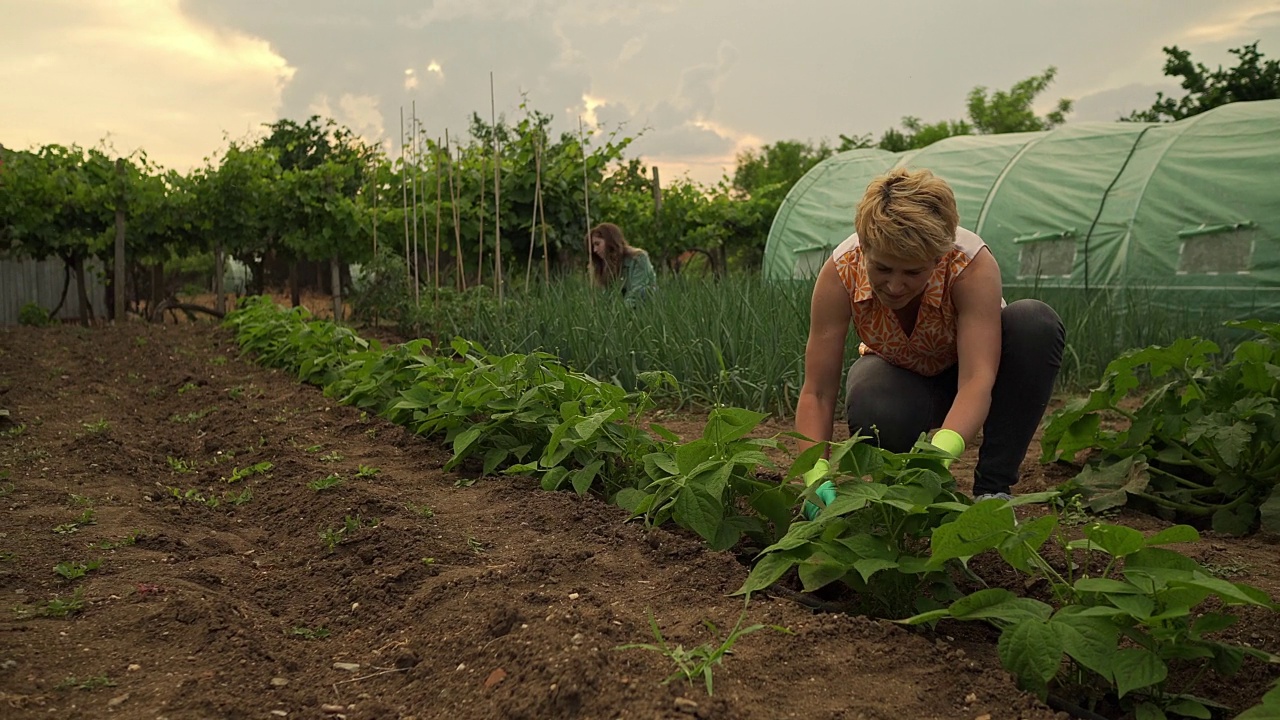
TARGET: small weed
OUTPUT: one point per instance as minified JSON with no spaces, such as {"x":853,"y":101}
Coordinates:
{"x":130,"y":539}
{"x":239,"y":474}
{"x":140,"y":341}
{"x":313,"y":448}
{"x":75,"y":570}
{"x":218,"y":360}
{"x":331,"y":538}
{"x":428,"y":561}
{"x":236,"y":392}
{"x":85,"y":518}
{"x":238,"y":499}
{"x":423,"y":510}
{"x":38,"y":454}
{"x":81,"y":500}
{"x":134,"y":377}
{"x":476,"y":546}
{"x":14,"y":431}
{"x":699,"y":661}
{"x":7,"y":488}
{"x":57,"y":607}
{"x":7,"y":556}
{"x":371,"y":433}
{"x":332,"y":457}
{"x":192,"y":416}
{"x":187,"y":388}
{"x":181,"y":466}
{"x":309,"y":634}
{"x":325,"y":483}
{"x":93,"y":683}
{"x":155,"y":392}
{"x":98,"y":426}
{"x":366,"y":471}
{"x":350,"y":526}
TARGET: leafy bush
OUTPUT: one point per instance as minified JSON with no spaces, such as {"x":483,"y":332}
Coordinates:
{"x":1121,"y":631}
{"x":34,"y":315}
{"x":874,"y":536}
{"x":1203,"y":445}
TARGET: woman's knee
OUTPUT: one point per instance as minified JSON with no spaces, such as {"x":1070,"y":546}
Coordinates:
{"x":1030,"y":326}
{"x":889,"y":404}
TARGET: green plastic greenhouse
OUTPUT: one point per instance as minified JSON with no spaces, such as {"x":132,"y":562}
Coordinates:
{"x":1188,"y":210}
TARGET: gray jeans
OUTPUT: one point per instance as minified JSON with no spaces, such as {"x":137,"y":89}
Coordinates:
{"x":894,"y":406}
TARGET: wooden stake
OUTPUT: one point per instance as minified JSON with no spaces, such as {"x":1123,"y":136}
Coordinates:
{"x":404,"y":196}
{"x":586,"y":187}
{"x":497,"y":197}
{"x":480,"y":242}
{"x":457,"y":219}
{"x":413,"y":143}
{"x":439,"y":182}
{"x":537,"y":193}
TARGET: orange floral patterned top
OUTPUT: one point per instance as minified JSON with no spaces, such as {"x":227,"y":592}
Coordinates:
{"x":931,"y":347}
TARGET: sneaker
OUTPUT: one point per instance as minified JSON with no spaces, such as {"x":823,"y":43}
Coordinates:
{"x":989,"y":496}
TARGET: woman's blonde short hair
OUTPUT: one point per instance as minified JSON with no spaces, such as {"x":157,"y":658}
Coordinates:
{"x":908,"y":214}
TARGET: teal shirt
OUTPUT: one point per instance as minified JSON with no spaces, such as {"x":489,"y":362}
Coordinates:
{"x":638,"y":278}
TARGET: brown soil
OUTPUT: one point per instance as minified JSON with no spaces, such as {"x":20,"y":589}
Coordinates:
{"x":444,"y":600}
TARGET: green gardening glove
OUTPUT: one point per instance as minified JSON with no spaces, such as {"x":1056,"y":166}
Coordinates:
{"x":949,"y":442}
{"x":826,"y":491}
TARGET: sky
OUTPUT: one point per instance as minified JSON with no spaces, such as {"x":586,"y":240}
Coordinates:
{"x":698,"y":81}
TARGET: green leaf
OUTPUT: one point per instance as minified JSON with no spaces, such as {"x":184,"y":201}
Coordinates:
{"x":728,"y":424}
{"x":699,"y":512}
{"x":1106,"y":585}
{"x":1190,"y":708}
{"x":1108,"y":486}
{"x":1138,"y":607}
{"x":630,"y":499}
{"x":465,"y":439}
{"x":816,"y":574}
{"x":1148,"y":711}
{"x":1210,"y":623}
{"x":1136,"y":668}
{"x":1175,"y":534}
{"x":981,"y":527}
{"x":999,"y":604}
{"x":553,"y":478}
{"x":1019,"y":548}
{"x":1235,"y":521}
{"x":583,"y":478}
{"x":591,"y":424}
{"x":1032,"y":651}
{"x":1091,"y":641}
{"x":1115,"y":540}
{"x":1270,"y":511}
{"x":766,"y":572}
{"x":867,"y":567}
{"x":664,"y":433}
{"x":492,"y":458}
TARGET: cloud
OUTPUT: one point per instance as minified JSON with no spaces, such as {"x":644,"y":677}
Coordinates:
{"x":1113,"y":104}
{"x":79,"y":72}
{"x":360,"y":114}
{"x":1237,"y":24}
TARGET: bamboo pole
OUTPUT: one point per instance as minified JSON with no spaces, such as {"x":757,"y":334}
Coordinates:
{"x":413,"y":143}
{"x":586,"y":186}
{"x":439,"y":179}
{"x":404,"y":196}
{"x":480,"y":241}
{"x":497,"y":197}
{"x":533,"y":223}
{"x":457,"y":219}
{"x":542,"y":213}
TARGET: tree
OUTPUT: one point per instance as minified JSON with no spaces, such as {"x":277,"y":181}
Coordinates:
{"x":773,"y":169}
{"x":1008,"y":112}
{"x":1251,"y":79}
{"x":919,"y":135}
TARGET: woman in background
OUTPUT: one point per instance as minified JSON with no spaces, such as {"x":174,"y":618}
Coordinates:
{"x":616,"y":263}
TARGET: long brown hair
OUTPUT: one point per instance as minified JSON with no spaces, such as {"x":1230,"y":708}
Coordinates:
{"x":605,"y":270}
